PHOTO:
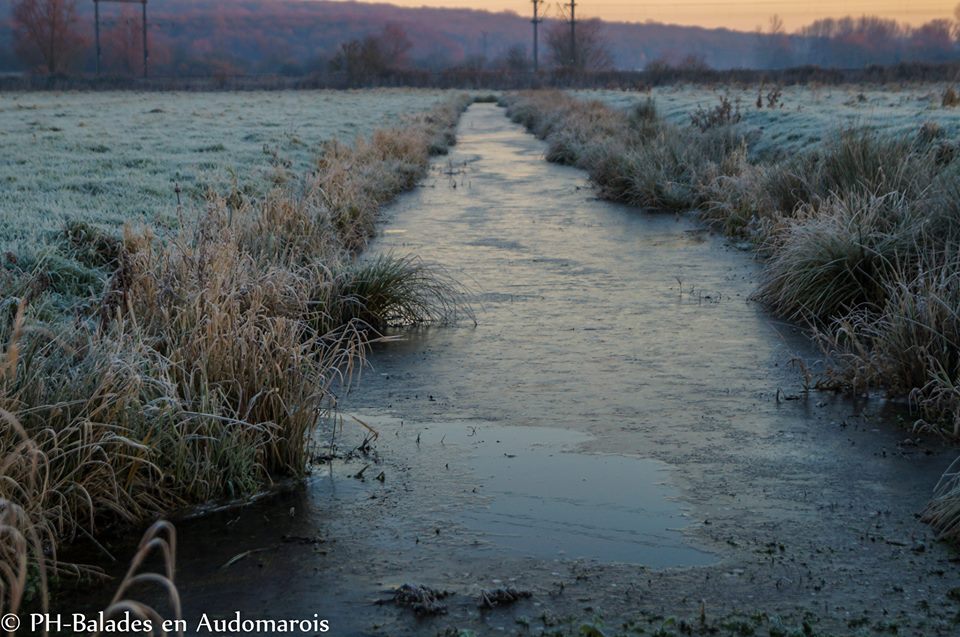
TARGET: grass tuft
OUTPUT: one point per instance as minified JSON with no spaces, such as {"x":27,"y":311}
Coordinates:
{"x":391,"y":291}
{"x":950,"y":98}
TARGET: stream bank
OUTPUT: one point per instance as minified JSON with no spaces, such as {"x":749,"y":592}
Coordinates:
{"x":622,"y":434}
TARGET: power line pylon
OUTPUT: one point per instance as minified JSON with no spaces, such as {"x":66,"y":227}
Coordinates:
{"x":536,"y":34}
{"x":96,"y":18}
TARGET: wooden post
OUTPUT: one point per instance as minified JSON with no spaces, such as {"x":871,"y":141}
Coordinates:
{"x":96,"y":18}
{"x":144,"y":38}
{"x":536,"y":27}
{"x":96,"y":22}
{"x":573,"y":35}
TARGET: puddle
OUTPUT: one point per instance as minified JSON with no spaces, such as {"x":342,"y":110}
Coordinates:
{"x":543,"y":497}
{"x":549,"y":501}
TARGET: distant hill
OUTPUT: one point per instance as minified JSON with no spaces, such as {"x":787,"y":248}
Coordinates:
{"x":295,"y":37}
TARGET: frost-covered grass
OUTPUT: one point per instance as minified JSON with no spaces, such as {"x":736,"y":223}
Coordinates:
{"x":113,"y":157}
{"x":145,"y":371}
{"x":809,"y":114}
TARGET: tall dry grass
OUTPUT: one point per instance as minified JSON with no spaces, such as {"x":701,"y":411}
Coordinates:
{"x":353,"y":181}
{"x":633,"y":157}
{"x":210,"y":355}
{"x":861,"y":235}
{"x":28,"y":539}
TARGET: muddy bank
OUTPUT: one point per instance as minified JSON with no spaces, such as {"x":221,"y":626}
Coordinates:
{"x":608,"y":437}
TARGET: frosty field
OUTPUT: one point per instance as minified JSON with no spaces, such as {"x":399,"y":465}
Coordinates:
{"x":116,"y":156}
{"x":809,"y":114}
{"x":618,"y":408}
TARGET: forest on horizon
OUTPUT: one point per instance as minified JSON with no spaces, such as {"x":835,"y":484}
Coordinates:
{"x":296,"y":38}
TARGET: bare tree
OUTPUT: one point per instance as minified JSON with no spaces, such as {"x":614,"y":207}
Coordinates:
{"x":372,"y":57}
{"x":124,"y":43}
{"x":515,"y":59}
{"x":776,"y":25}
{"x":592,"y":53}
{"x":694,"y":62}
{"x":46,"y":33}
{"x":394,"y":45}
{"x":774,"y":47}
{"x":932,"y":41}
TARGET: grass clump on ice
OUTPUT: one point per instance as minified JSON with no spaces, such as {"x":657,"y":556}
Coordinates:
{"x":196,"y":363}
{"x":861,"y":234}
{"x":390,"y":291}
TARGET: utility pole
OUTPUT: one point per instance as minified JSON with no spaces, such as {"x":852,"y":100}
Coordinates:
{"x":573,"y":34}
{"x":536,"y":28}
{"x":96,"y":21}
{"x":145,"y":38}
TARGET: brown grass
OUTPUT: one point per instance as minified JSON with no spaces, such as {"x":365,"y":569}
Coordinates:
{"x":950,"y":98}
{"x":160,"y":538}
{"x":206,"y":365}
{"x":632,"y":157}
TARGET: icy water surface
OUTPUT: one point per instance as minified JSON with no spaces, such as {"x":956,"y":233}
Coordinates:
{"x":543,"y":498}
{"x":611,"y":435}
{"x":553,"y":503}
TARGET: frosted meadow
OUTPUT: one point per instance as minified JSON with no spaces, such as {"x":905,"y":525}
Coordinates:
{"x":113,"y":157}
{"x":804,"y":115}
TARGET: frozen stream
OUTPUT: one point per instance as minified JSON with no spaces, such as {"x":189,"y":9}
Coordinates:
{"x":608,"y":436}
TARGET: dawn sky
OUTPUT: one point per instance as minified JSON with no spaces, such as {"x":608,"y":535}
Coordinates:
{"x":736,"y":14}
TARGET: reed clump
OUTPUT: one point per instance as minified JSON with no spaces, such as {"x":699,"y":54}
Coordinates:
{"x":203,"y":358}
{"x":353,"y":181}
{"x":633,"y":157}
{"x":860,"y":235}
{"x":32,"y":487}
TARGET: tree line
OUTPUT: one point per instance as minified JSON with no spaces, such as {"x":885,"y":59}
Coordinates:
{"x":54,"y":37}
